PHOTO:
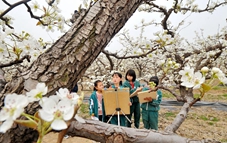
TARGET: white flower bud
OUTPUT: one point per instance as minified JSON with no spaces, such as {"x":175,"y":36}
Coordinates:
{"x":215,"y":70}
{"x":205,"y":69}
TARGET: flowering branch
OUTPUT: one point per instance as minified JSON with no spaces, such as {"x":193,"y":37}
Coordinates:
{"x":27,"y":57}
{"x":11,"y":6}
{"x":57,"y":111}
{"x":128,"y":57}
{"x":34,"y":16}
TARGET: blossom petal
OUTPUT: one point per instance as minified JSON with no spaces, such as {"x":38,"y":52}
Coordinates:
{"x":6,"y":125}
{"x":55,"y":98}
{"x":4,"y":114}
{"x":46,"y":116}
{"x":22,"y":101}
{"x":58,"y":124}
{"x":10,"y":100}
{"x":31,"y":95}
{"x":42,"y":88}
{"x":62,"y":92}
{"x":64,"y":105}
{"x":49,"y":105}
{"x":68,"y":114}
{"x":17,"y":113}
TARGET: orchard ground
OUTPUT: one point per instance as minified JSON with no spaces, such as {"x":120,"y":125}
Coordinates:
{"x":201,"y":122}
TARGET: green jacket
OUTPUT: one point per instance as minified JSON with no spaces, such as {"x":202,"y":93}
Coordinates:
{"x":154,"y":104}
{"x":131,"y":90}
{"x":93,"y":104}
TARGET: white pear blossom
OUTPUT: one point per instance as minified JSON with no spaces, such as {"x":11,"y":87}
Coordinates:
{"x":198,"y":80}
{"x":2,"y":36}
{"x":187,"y":74}
{"x":63,"y":93}
{"x":53,"y":97}
{"x":188,"y":83}
{"x":217,"y":73}
{"x":190,"y":79}
{"x":3,"y":52}
{"x":35,"y":5}
{"x":14,"y":107}
{"x":161,"y":62}
{"x":50,"y":28}
{"x":9,"y":31}
{"x":57,"y":113}
{"x":37,"y":93}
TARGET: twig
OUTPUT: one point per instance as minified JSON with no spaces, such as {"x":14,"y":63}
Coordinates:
{"x":27,"y":57}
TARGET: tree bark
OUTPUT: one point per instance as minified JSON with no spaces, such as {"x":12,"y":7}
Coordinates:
{"x":106,"y":133}
{"x":66,"y":61}
{"x":182,"y":115}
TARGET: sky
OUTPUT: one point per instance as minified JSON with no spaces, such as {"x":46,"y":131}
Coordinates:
{"x":211,"y":23}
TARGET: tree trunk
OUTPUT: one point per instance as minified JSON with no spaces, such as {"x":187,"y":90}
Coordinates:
{"x":181,"y":116}
{"x":106,"y":133}
{"x":66,"y":61}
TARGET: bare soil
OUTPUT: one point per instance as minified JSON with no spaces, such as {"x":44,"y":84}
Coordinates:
{"x":201,"y":122}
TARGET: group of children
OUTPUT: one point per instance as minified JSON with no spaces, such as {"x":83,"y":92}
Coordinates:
{"x":149,"y":109}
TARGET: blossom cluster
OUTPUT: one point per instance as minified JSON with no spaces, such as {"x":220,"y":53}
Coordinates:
{"x":194,"y":80}
{"x":56,"y":109}
{"x":51,"y":16}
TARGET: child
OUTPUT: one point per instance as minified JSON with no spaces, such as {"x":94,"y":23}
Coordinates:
{"x":96,"y":101}
{"x":150,"y":109}
{"x":133,"y":85}
{"x":117,"y":83}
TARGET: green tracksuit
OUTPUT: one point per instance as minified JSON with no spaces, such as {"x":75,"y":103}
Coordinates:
{"x":93,"y":106}
{"x":135,"y":107}
{"x":150,"y":112}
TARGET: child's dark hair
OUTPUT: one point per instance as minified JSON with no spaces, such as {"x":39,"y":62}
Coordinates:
{"x":155,"y":80}
{"x":132,"y":73}
{"x":96,"y":84}
{"x":119,"y":74}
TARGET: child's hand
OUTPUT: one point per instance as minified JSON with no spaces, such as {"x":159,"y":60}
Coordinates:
{"x":149,"y":99}
{"x":153,"y":89}
{"x":130,"y":103}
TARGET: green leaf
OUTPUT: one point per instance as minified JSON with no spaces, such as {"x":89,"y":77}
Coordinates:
{"x":36,"y":115}
{"x":27,"y":123}
{"x":206,"y":87}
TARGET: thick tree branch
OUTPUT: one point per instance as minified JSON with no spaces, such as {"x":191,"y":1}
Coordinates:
{"x":178,"y":97}
{"x":110,"y":61}
{"x":107,"y":133}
